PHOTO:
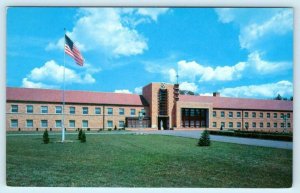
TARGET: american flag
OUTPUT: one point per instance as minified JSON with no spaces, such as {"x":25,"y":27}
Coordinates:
{"x":73,"y":51}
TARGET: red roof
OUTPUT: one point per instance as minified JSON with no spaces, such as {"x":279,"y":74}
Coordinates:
{"x":240,"y":103}
{"x":83,"y":97}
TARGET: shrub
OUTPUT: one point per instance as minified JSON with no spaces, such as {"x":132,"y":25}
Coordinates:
{"x":19,"y":129}
{"x":88,"y":129}
{"x":46,"y":139}
{"x":123,"y":128}
{"x":50,"y":129}
{"x":204,"y":139}
{"x":37,"y":129}
{"x":80,"y":134}
{"x":109,"y":129}
{"x":115,"y":127}
{"x":83,"y":137}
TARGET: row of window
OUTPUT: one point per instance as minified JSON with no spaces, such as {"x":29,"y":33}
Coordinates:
{"x":246,"y":114}
{"x":58,"y":123}
{"x":261,"y":125}
{"x":58,"y":110}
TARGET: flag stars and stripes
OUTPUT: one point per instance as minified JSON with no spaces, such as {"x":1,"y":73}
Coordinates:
{"x":73,"y":51}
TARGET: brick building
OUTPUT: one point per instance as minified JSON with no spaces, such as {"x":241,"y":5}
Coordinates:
{"x":160,"y":103}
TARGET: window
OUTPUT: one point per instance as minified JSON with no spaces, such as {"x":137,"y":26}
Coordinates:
{"x":58,"y":123}
{"x":238,"y":124}
{"x":85,"y":123}
{"x":230,"y":124}
{"x":97,"y":110}
{"x":268,"y":124}
{"x":230,"y":114}
{"x":109,"y":124}
{"x":282,"y":125}
{"x":238,"y":114}
{"x":275,"y":115}
{"x":268,"y":115}
{"x":289,"y":125}
{"x":14,"y":108}
{"x":222,"y":124}
{"x":288,"y":115}
{"x":109,"y":111}
{"x":44,"y":123}
{"x":261,"y":115}
{"x":85,"y":110}
{"x":214,"y":113}
{"x":72,"y":123}
{"x":143,"y":111}
{"x":14,"y":123}
{"x":121,"y":124}
{"x":58,"y":109}
{"x":132,"y":111}
{"x":29,"y":123}
{"x":253,"y":114}
{"x":222,"y":114}
{"x":72,"y":110}
{"x":246,"y":124}
{"x":214,"y":124}
{"x":44,"y":109}
{"x":275,"y":125}
{"x":121,"y":111}
{"x":253,"y":124}
{"x":246,"y":114}
{"x":281,"y":115}
{"x":261,"y":124}
{"x":29,"y":108}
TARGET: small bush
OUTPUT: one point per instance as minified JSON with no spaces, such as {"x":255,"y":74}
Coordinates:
{"x":37,"y":129}
{"x":50,"y":129}
{"x":115,"y":127}
{"x":204,"y":139}
{"x":123,"y":128}
{"x":46,"y":139}
{"x":79,"y":134}
{"x":109,"y":129}
{"x":88,"y":129}
{"x":83,"y":137}
{"x":19,"y":129}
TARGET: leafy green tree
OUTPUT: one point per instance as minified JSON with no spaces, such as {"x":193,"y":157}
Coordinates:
{"x":204,"y":139}
{"x":46,"y":139}
{"x":80,"y":134}
{"x":83,"y":137}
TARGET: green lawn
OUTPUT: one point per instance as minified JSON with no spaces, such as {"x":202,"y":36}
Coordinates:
{"x":144,"y":161}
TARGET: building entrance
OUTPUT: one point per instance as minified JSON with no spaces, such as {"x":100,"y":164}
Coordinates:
{"x":194,"y":118}
{"x":163,"y":123}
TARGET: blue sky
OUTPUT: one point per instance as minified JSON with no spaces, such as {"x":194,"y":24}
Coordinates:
{"x":240,"y":52}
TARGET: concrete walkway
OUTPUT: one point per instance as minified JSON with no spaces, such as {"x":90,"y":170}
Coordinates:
{"x":239,"y":140}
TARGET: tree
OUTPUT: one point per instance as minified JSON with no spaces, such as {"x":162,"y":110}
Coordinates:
{"x":83,"y":137}
{"x":278,"y":97}
{"x":80,"y":134}
{"x":291,"y":98}
{"x":204,"y":139}
{"x":46,"y":139}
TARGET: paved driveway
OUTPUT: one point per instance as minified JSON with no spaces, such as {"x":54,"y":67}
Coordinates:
{"x":239,"y":140}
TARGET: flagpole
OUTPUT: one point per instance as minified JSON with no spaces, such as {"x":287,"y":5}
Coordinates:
{"x":63,"y":96}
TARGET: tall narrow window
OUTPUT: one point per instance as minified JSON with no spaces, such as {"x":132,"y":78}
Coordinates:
{"x":44,"y":123}
{"x":222,"y":114}
{"x":163,"y":102}
{"x":97,"y":110}
{"x":58,"y":109}
{"x":85,"y":110}
{"x":29,"y":108}
{"x":109,"y":111}
{"x":214,"y":113}
{"x":14,"y":123}
{"x":71,"y":123}
{"x":29,"y":123}
{"x":72,"y":110}
{"x":58,"y":123}
{"x":238,"y":114}
{"x":85,"y":123}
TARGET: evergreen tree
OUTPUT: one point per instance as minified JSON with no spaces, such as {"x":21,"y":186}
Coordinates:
{"x":80,"y":134}
{"x":46,"y":137}
{"x":204,"y":139}
{"x":83,"y":137}
{"x":278,"y":97}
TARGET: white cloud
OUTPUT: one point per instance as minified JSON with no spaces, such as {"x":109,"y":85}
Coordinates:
{"x":206,"y":94}
{"x":138,"y":90}
{"x":225,"y":14}
{"x":190,"y":86}
{"x":270,"y":90}
{"x":123,"y":91}
{"x":29,"y":84}
{"x":153,"y":13}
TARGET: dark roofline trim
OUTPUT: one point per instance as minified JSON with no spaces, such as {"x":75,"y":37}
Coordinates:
{"x":253,"y":109}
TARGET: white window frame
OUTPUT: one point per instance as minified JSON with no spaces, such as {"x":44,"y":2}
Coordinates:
{"x":97,"y":108}
{"x":112,"y":124}
{"x":71,"y":112}
{"x":56,"y":108}
{"x":27,"y":109}
{"x":42,"y":109}
{"x":46,"y":121}
{"x":56,"y":121}
{"x":85,"y":110}
{"x":70,"y":124}
{"x":11,"y":125}
{"x":27,"y":123}
{"x":13,"y":108}
{"x":85,"y":121}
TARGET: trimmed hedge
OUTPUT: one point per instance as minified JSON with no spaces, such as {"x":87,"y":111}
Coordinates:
{"x":255,"y":134}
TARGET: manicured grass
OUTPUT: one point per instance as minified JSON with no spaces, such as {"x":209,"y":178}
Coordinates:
{"x":144,"y":161}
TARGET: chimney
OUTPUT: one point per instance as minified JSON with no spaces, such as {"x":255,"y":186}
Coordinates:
{"x":216,"y":94}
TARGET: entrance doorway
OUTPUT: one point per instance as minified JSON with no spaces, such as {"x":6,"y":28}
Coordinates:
{"x":194,"y":118}
{"x":163,"y":123}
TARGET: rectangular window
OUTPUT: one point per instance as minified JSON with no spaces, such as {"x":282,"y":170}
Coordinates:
{"x":97,"y":110}
{"x":288,"y":125}
{"x":85,"y":124}
{"x":121,"y":111}
{"x":222,"y":114}
{"x":238,"y":114}
{"x":261,"y":124}
{"x":246,"y":114}
{"x":29,"y":123}
{"x":132,"y":111}
{"x":14,"y":108}
{"x":275,"y":125}
{"x":58,"y":109}
{"x":253,"y":124}
{"x":238,"y":124}
{"x":268,"y":124}
{"x":214,"y":124}
{"x":214,"y":113}
{"x":253,"y":114}
{"x":72,"y":123}
{"x":223,"y":124}
{"x":288,"y":115}
{"x":85,"y":110}
{"x":29,"y":108}
{"x":281,"y":115}
{"x":58,"y":123}
{"x":230,"y":114}
{"x":109,"y":111}
{"x":121,"y":124}
{"x":109,"y":124}
{"x":261,"y":115}
{"x":268,"y":115}
{"x":44,"y":123}
{"x":275,"y":115}
{"x":72,"y":110}
{"x":44,"y":109}
{"x":14,"y":123}
{"x":282,"y":125}
{"x":230,"y":124}
{"x":247,"y":125}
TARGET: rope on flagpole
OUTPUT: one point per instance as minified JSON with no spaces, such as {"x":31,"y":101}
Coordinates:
{"x":63,"y":97}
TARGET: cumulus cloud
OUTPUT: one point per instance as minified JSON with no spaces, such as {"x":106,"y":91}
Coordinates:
{"x":29,"y":84}
{"x":123,"y":91}
{"x":190,"y":86}
{"x":111,"y":30}
{"x":270,"y":90}
{"x":138,"y":90}
{"x":225,"y":14}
